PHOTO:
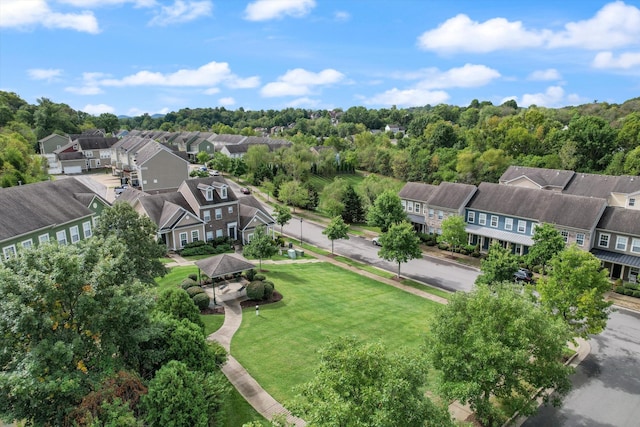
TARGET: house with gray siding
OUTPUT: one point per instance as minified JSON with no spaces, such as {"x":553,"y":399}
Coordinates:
{"x":617,"y":242}
{"x":449,"y":198}
{"x":158,"y":168}
{"x":414,"y":197}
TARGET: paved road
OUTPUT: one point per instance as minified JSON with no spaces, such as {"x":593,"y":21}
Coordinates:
{"x":606,"y":385}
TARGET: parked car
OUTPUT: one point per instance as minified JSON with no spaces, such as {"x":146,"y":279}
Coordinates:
{"x":245,"y":190}
{"x":120,"y":189}
{"x":376,"y":241}
{"x":214,"y":173}
{"x":203,"y":169}
{"x":523,"y":275}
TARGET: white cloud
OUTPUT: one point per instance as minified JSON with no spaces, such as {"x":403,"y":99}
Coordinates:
{"x":545,"y":75}
{"x":408,"y":97}
{"x":248,"y":83}
{"x":615,"y":25}
{"x":97,"y":109}
{"x":101,"y":3}
{"x":341,"y":16}
{"x":48,"y":74}
{"x":554,"y":96}
{"x":624,"y":61}
{"x":469,"y":75}
{"x":298,"y":82}
{"x":461,"y":34}
{"x":211,"y":91}
{"x":181,"y":12}
{"x":27,"y":14}
{"x":264,"y":10}
{"x":228,"y":101}
{"x":133,"y":112}
{"x":210,"y":74}
{"x":303,"y":102}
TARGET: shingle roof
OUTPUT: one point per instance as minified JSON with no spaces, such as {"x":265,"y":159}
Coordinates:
{"x":250,"y":207}
{"x":73,"y":155}
{"x":95,"y":142}
{"x":451,"y":195}
{"x":216,"y":181}
{"x":545,"y":178}
{"x":223,"y":264}
{"x":417,"y":191}
{"x":154,"y":205}
{"x":27,"y":208}
{"x":539,"y":205}
{"x":586,"y":184}
{"x":620,"y":220}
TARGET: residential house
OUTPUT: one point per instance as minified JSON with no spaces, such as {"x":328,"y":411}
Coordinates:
{"x":414,"y":197}
{"x":449,"y":198}
{"x":395,"y":128}
{"x":509,"y":214}
{"x":62,"y":211}
{"x":542,"y":179}
{"x":95,"y":151}
{"x":158,"y":168}
{"x":252,"y":216}
{"x":617,"y":242}
{"x":52,"y":143}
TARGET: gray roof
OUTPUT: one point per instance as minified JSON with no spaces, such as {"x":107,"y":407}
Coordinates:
{"x":451,"y":195}
{"x":73,"y":155}
{"x":150,"y":150}
{"x":228,"y":139}
{"x":617,"y":257}
{"x":161,"y":206}
{"x":31,"y":207}
{"x":545,"y":178}
{"x":620,"y":220}
{"x":602,"y":186}
{"x":131,"y":142}
{"x":53,"y":135}
{"x":95,"y":142}
{"x":214,"y":181}
{"x":539,"y":205}
{"x":223,"y":264}
{"x":249,"y":207}
{"x":418,"y":191}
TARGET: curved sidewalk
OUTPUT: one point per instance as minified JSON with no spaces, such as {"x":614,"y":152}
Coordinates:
{"x":248,"y":387}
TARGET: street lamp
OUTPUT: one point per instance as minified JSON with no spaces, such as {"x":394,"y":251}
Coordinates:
{"x":300,"y":231}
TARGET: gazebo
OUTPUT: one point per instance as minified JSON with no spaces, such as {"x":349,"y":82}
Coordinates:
{"x":223,"y":265}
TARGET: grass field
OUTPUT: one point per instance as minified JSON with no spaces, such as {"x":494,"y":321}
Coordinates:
{"x":321,"y":301}
{"x":319,"y":182}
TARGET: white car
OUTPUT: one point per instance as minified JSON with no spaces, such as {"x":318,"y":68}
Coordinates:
{"x":376,"y":242}
{"x":214,"y":173}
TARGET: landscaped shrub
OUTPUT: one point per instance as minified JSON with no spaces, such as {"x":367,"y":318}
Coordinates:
{"x":443,"y":246}
{"x":536,"y":268}
{"x":619,"y":289}
{"x":223,"y":248}
{"x":202,"y":249}
{"x":193,"y":277}
{"x":259,"y":277}
{"x":194,"y":290}
{"x":636,"y":294}
{"x":201,"y":300}
{"x":187,"y":283}
{"x":255,"y":290}
{"x":250,"y":274}
{"x":628,"y":292}
{"x":268,"y":289}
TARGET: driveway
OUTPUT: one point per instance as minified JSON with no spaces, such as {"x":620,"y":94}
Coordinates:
{"x":606,"y":385}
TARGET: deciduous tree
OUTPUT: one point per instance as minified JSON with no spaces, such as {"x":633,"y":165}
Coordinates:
{"x":400,"y":244}
{"x":499,"y":265}
{"x":283,"y":215}
{"x":495,"y":342}
{"x":453,"y":232}
{"x":547,"y":243}
{"x":386,"y":211}
{"x":261,"y":245}
{"x":336,"y":229}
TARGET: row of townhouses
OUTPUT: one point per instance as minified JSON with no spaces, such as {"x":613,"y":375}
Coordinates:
{"x":66,"y":210}
{"x":598,"y":213}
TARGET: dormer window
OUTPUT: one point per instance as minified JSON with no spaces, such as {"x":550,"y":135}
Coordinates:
{"x":209,"y":194}
{"x":223,"y":192}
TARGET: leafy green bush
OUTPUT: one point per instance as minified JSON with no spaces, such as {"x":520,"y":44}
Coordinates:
{"x":193,"y":277}
{"x":250,"y":274}
{"x":223,"y":248}
{"x":194,"y":290}
{"x":187,"y":283}
{"x":636,"y":294}
{"x":443,"y":246}
{"x":633,"y":286}
{"x":259,"y":277}
{"x":222,"y":240}
{"x":255,"y":290}
{"x":619,"y":289}
{"x":268,"y":289}
{"x":629,"y":292}
{"x":201,"y":300}
{"x":203,"y":249}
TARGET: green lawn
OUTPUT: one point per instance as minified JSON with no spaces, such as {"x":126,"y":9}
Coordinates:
{"x":322,"y":301}
{"x":175,"y":276}
{"x":319,"y":182}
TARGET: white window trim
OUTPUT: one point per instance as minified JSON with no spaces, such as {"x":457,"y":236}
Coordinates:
{"x":230,"y":209}
{"x":9,"y":251}
{"x":440,"y":214}
{"x":508,"y":224}
{"x":223,"y":192}
{"x":635,"y":246}
{"x":86,"y":229}
{"x":522,"y":226}
{"x":195,"y":233}
{"x":27,"y":243}
{"x":74,"y":232}
{"x":620,"y":239}
{"x":417,"y":207}
{"x":482,"y":219}
{"x":43,"y":238}
{"x":431,"y":213}
{"x":219,"y":232}
{"x":61,"y":240}
{"x":209,"y":194}
{"x":600,"y":240}
{"x":471,"y":217}
{"x":218,"y":213}
{"x":580,"y":238}
{"x":206,"y":215}
{"x":565,"y":235}
{"x":494,"y":221}
{"x":409,"y":206}
{"x":180,"y":239}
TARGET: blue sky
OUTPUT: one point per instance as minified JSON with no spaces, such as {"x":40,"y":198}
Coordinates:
{"x":130,"y":57}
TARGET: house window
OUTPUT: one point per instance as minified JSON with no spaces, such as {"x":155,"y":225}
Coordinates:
{"x":404,"y":204}
{"x":482,"y":219}
{"x":439,"y":231}
{"x":409,"y":206}
{"x":508,"y":224}
{"x":621,"y":243}
{"x":88,"y":153}
{"x":86,"y":228}
{"x":209,"y":235}
{"x":604,"y":241}
{"x":27,"y":244}
{"x":183,"y":239}
{"x":431,"y":230}
{"x":249,"y":237}
{"x":635,"y":246}
{"x":430,"y":213}
{"x":209,"y":195}
{"x":471,"y":217}
{"x":494,"y":221}
{"x":565,"y":235}
{"x":223,"y":192}
{"x":632,"y":202}
{"x":522,"y":226}
{"x":219,"y":233}
{"x":195,"y":235}
{"x":230,"y":210}
{"x":61,"y":236}
{"x":9,"y":251}
{"x":417,"y":207}
{"x":43,"y":238}
{"x":155,"y":180}
{"x":440,"y":214}
{"x":144,"y":182}
{"x":218,"y":213}
{"x":580,"y":239}
{"x":75,"y":234}
{"x":424,"y":210}
{"x":206,"y":216}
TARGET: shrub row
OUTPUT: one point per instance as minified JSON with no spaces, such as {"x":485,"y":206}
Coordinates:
{"x":629,"y":289}
{"x":219,"y":245}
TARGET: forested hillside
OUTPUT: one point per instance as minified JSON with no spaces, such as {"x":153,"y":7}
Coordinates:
{"x":440,"y":143}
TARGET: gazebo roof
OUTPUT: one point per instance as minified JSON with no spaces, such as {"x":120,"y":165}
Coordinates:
{"x":223,"y":264}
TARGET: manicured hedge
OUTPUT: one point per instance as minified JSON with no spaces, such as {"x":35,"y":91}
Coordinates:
{"x":201,"y":300}
{"x":194,"y":290}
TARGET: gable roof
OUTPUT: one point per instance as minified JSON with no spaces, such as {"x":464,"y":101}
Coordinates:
{"x":160,"y":207}
{"x":451,"y":195}
{"x":539,"y":205}
{"x":21,"y":207}
{"x":191,"y":185}
{"x":602,"y":186}
{"x":620,"y":220}
{"x":417,"y":191}
{"x":251,"y":208}
{"x":52,"y":136}
{"x":223,"y":264}
{"x":150,"y":150}
{"x":544,"y":178}
{"x":95,"y":142}
{"x":72,"y":155}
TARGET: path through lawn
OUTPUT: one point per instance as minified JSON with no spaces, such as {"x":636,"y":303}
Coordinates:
{"x":322,"y":301}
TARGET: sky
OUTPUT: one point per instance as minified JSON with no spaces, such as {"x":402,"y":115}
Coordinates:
{"x":130,"y":57}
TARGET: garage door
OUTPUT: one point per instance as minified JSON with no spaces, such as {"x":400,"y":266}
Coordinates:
{"x":68,"y":170}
